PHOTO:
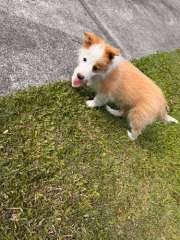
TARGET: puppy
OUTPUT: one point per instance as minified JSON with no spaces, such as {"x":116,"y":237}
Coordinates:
{"x":103,"y":68}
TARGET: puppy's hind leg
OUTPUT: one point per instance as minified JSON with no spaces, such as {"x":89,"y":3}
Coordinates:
{"x":114,"y":112}
{"x":118,"y":113}
{"x":133,"y":134}
{"x":137,"y":123}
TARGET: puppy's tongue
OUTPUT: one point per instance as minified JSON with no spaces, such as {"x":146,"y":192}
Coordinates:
{"x":77,"y":82}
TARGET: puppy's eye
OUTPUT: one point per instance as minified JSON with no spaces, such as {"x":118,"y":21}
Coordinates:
{"x":95,"y":69}
{"x":84,"y":59}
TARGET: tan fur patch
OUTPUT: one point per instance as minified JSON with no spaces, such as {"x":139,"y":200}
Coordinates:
{"x":109,"y":53}
{"x":90,"y":39}
{"x":101,"y":65}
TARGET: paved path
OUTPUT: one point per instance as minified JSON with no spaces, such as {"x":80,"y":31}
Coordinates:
{"x":39,"y":38}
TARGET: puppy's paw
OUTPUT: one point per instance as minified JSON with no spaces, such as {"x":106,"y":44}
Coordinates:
{"x":91,"y":103}
{"x":130,"y":135}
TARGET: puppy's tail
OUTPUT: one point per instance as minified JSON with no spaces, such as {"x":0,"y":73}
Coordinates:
{"x":114,"y":112}
{"x":169,"y":119}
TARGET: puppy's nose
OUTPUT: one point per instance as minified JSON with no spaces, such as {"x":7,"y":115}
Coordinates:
{"x":80,"y":76}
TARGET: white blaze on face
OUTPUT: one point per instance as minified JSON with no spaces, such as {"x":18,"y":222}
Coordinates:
{"x":92,"y":54}
{"x":87,"y":59}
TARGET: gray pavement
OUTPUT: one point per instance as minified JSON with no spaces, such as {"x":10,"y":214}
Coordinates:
{"x":39,"y":38}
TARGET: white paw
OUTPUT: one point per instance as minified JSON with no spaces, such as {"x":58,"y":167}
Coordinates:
{"x":130,"y":135}
{"x":91,"y":103}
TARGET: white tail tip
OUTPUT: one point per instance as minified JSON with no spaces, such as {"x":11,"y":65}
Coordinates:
{"x":170,"y":119}
{"x":114,"y":112}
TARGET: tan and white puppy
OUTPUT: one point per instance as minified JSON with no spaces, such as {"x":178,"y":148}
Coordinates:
{"x":114,"y":78}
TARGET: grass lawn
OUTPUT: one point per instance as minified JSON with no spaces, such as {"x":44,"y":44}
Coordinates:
{"x":69,"y":172}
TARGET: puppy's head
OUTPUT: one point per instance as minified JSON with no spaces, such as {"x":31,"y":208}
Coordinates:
{"x":95,"y":58}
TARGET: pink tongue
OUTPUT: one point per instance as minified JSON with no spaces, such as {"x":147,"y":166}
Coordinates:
{"x":77,"y":82}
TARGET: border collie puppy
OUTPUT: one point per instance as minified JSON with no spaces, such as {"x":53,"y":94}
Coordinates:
{"x":102,"y":67}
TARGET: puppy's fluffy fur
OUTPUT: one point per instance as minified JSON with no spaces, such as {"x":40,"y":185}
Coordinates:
{"x":102,"y":67}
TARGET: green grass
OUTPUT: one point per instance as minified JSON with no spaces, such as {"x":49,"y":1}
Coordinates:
{"x":69,"y":172}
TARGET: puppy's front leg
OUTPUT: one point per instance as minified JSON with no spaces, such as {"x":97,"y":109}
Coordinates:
{"x":98,"y":101}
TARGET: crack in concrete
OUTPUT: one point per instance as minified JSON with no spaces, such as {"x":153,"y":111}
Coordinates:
{"x":105,"y":30}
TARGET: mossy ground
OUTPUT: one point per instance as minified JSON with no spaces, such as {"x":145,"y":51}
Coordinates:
{"x":69,"y":172}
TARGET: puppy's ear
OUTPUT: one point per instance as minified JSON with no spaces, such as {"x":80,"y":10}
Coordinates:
{"x":112,"y":52}
{"x":90,"y":38}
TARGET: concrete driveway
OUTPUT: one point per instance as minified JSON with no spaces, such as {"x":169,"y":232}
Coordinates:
{"x":39,"y":38}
